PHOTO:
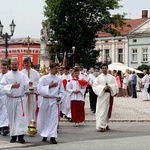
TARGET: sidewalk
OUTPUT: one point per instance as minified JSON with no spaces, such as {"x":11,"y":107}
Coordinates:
{"x":125,"y":109}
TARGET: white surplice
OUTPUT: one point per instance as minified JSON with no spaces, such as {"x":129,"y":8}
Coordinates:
{"x":65,"y":105}
{"x":14,"y":101}
{"x":47,"y":120}
{"x":103,"y":98}
{"x":30,"y":109}
{"x":74,"y":85}
{"x":3,"y":110}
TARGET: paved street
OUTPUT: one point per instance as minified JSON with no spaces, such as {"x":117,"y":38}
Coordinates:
{"x":130,"y":129}
{"x":122,"y":136}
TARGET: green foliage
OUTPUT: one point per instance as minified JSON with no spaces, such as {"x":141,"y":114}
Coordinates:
{"x":143,"y":67}
{"x":75,"y":23}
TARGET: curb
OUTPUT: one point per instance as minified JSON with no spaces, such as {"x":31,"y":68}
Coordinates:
{"x":112,"y":121}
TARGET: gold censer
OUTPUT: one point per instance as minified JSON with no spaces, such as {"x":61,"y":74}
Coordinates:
{"x":32,"y":128}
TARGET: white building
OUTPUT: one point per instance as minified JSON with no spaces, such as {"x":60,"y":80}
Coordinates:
{"x":139,"y":45}
{"x":122,"y":48}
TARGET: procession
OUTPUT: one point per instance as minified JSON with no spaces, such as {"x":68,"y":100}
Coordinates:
{"x":31,"y":103}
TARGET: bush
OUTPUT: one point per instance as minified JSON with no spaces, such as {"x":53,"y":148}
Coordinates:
{"x":143,"y":67}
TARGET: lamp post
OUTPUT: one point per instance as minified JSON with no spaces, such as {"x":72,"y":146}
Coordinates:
{"x":6,"y":36}
{"x":73,"y":52}
{"x":73,"y":55}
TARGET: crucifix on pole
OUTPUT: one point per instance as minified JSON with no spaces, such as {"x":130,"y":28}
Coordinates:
{"x":28,"y":42}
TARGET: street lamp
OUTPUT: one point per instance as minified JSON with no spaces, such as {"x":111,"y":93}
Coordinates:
{"x":6,"y":36}
{"x":73,"y":55}
{"x":73,"y":52}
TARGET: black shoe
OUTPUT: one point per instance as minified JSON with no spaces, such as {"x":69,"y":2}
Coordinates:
{"x":20,"y":139}
{"x":13,"y":139}
{"x":61,"y":114}
{"x":5,"y":132}
{"x":44,"y":139}
{"x":69,"y":119}
{"x":66,"y":117}
{"x":53,"y":141}
{"x":94,"y":111}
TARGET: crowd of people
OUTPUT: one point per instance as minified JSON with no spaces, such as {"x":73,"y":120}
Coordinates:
{"x":26,"y":95}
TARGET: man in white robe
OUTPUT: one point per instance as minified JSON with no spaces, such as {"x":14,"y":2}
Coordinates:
{"x":3,"y":110}
{"x":105,"y":87}
{"x":51,"y":90}
{"x":31,"y":102}
{"x":145,"y":83}
{"x":65,"y":105}
{"x":14,"y":85}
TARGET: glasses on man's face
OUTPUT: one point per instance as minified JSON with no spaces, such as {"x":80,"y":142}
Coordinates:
{"x":104,"y":68}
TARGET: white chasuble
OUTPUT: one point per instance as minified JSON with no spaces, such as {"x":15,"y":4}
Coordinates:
{"x":103,"y":98}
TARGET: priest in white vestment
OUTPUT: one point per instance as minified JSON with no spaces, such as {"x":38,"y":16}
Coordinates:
{"x":15,"y":84}
{"x":105,"y":87}
{"x":51,"y":90}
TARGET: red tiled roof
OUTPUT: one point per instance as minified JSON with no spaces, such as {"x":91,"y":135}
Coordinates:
{"x":133,"y":24}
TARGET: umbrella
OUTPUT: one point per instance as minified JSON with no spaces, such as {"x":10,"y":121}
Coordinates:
{"x":122,"y":67}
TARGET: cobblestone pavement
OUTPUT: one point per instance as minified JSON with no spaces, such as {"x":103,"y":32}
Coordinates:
{"x":125,"y":109}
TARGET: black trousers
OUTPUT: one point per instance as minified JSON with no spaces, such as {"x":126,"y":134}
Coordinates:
{"x":92,"y":99}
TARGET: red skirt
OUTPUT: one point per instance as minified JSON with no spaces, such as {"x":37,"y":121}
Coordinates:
{"x":77,"y":111}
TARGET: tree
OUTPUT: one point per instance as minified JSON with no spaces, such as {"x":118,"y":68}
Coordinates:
{"x":143,"y":67}
{"x":76,"y":22}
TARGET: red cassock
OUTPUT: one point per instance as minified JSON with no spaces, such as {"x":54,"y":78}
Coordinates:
{"x":64,"y":83}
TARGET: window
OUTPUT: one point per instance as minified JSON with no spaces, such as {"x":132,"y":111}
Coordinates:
{"x":134,"y":55}
{"x":106,"y":53}
{"x":144,"y":54}
{"x":120,"y":55}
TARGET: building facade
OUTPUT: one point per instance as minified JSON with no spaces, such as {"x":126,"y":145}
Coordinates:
{"x":123,"y":48}
{"x":21,"y":48}
{"x":139,"y":45}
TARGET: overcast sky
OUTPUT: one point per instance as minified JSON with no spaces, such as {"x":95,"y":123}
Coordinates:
{"x":28,"y":14}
